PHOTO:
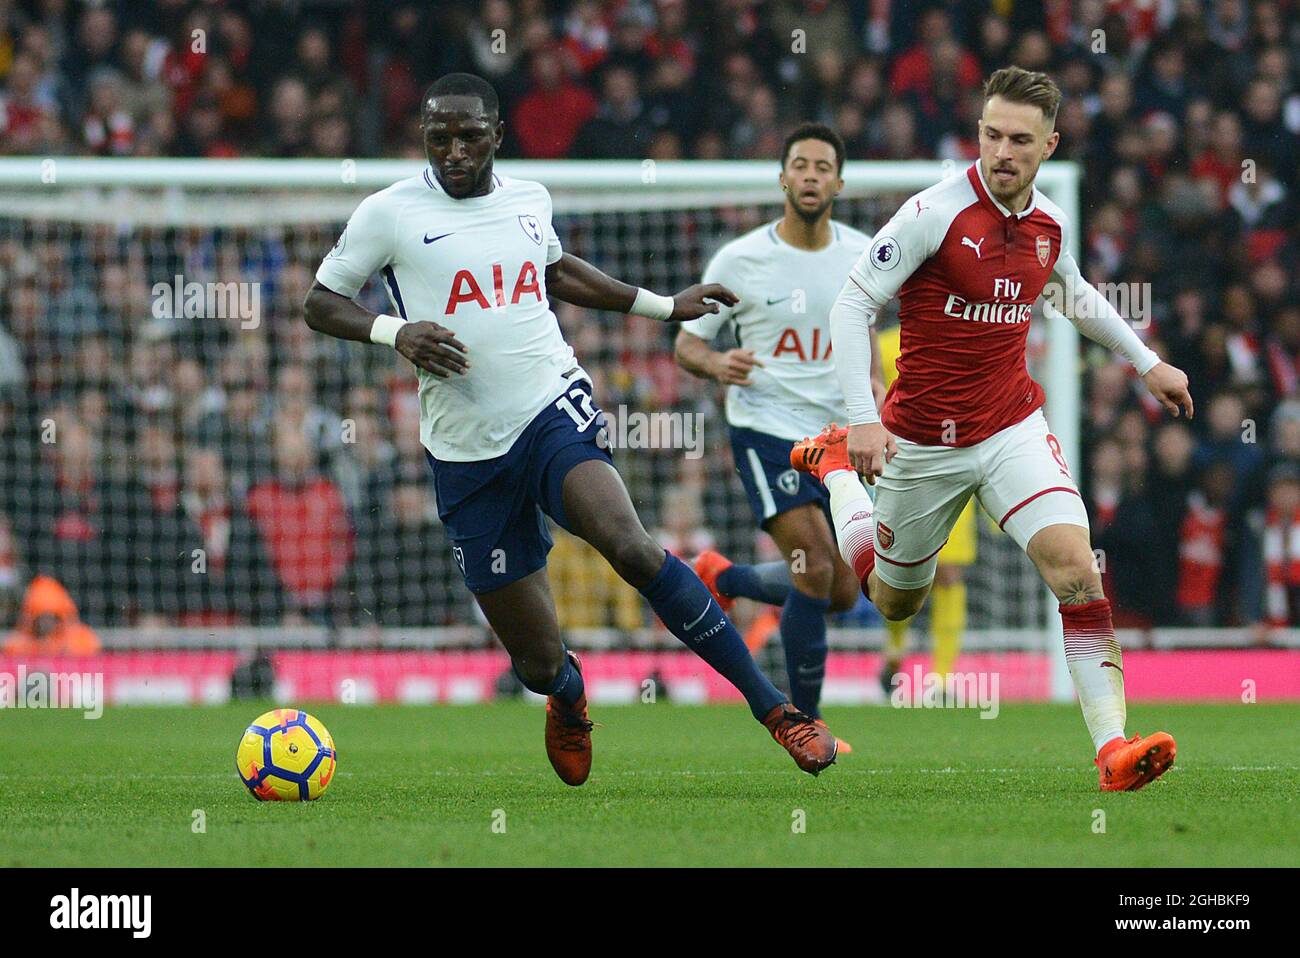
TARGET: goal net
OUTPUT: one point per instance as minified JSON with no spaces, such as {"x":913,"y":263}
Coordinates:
{"x":180,"y":451}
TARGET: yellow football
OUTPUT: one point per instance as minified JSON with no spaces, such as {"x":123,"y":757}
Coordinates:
{"x":286,"y":755}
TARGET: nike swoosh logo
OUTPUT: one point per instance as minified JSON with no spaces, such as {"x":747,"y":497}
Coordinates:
{"x":692,"y":625}
{"x":773,"y":302}
{"x":435,"y":239}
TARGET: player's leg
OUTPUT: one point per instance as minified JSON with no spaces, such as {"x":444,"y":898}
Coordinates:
{"x":1063,"y":555}
{"x":862,"y":535}
{"x":803,"y":536}
{"x":1036,"y":502}
{"x":772,"y":488}
{"x":522,"y":614}
{"x":767,"y":582}
{"x":948,"y":594}
{"x":574,"y":480}
{"x":792,"y":509}
{"x":845,"y":587}
{"x":1028,"y":487}
{"x":947,"y":617}
{"x":918,"y":498}
{"x":896,"y":632}
{"x":597,"y":508}
{"x":821,"y":583}
{"x":500,"y":542}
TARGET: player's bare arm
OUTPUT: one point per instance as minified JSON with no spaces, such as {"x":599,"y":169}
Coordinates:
{"x":574,"y":280}
{"x":730,"y":367}
{"x":431,"y":347}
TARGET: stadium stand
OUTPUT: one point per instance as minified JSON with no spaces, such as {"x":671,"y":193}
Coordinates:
{"x":176,"y":437}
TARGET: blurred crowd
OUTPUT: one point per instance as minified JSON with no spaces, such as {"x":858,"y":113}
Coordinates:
{"x":291,"y":465}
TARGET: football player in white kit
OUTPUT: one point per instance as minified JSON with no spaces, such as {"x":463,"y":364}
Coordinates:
{"x":506,"y":411}
{"x":782,"y":387}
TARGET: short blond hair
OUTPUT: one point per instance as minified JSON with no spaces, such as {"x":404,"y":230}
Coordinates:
{"x":1017,"y":85}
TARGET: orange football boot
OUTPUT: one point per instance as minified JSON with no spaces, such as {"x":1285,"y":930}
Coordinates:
{"x":826,"y":452}
{"x":809,"y":742}
{"x":708,"y":566}
{"x":568,"y":736}
{"x":1127,"y":766}
{"x":842,"y":747}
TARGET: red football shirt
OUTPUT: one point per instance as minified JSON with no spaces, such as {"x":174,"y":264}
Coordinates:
{"x":967,"y":272}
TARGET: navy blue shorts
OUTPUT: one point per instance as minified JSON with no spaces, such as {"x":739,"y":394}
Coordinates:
{"x":493,"y":509}
{"x":772,"y":484}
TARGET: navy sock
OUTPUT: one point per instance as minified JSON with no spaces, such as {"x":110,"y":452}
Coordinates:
{"x":567,"y":686}
{"x":764,"y":582}
{"x":683,"y":603}
{"x":803,"y":635}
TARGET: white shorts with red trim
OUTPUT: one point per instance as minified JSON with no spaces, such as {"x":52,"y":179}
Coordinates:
{"x":1019,"y":476}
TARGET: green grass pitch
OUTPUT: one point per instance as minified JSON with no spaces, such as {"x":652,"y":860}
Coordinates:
{"x":671,"y":786}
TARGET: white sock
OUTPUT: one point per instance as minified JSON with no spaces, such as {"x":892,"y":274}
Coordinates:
{"x":1096,"y":665}
{"x":855,"y":527}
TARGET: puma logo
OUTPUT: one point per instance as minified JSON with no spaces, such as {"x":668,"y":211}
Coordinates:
{"x":967,"y":241}
{"x":1111,"y":665}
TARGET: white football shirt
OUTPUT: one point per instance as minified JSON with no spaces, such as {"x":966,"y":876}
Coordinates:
{"x":786,"y":296}
{"x":478,"y":267}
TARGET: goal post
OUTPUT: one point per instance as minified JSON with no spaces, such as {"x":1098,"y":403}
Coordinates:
{"x":650,"y":222}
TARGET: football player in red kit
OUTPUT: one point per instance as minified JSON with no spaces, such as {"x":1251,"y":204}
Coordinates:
{"x":968,"y":258}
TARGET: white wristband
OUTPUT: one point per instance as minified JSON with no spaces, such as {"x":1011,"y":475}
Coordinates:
{"x":652,"y":305}
{"x":384,"y":330}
